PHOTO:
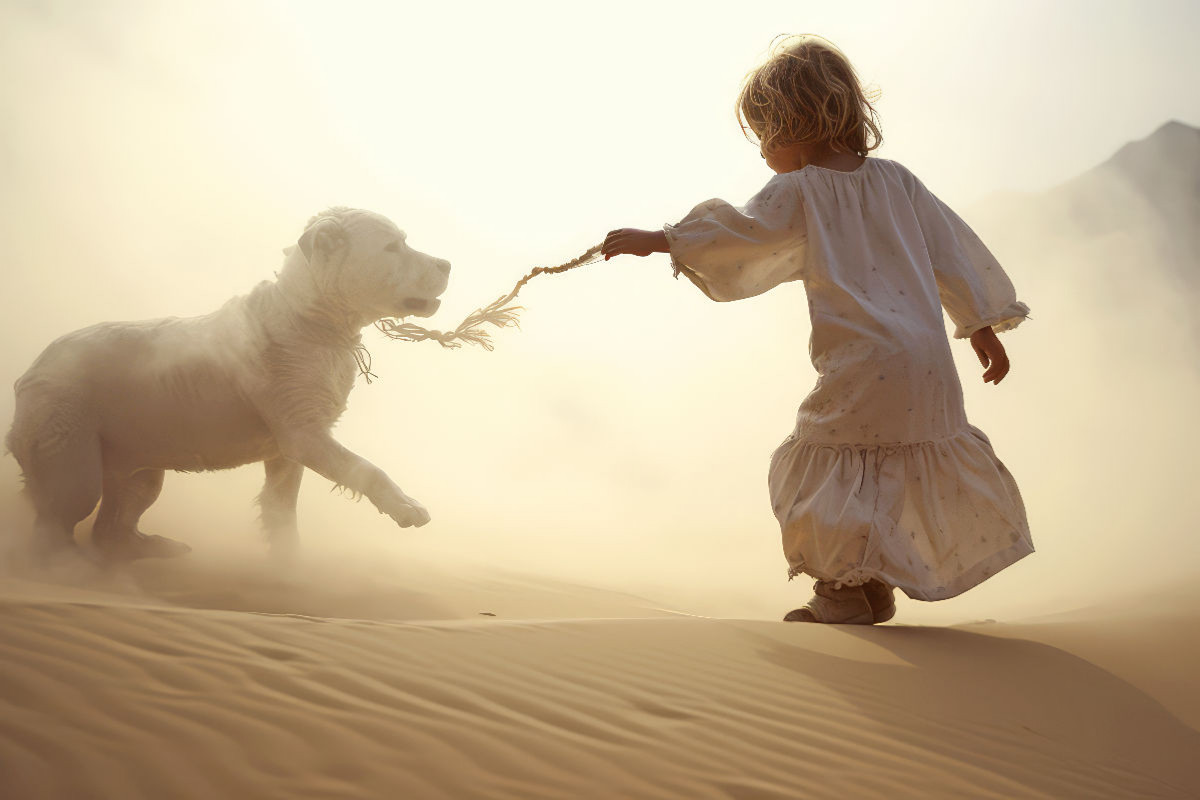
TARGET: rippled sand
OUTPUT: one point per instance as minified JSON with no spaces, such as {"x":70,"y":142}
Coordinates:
{"x":185,"y":680}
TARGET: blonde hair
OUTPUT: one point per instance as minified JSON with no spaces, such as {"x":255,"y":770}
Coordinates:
{"x":807,"y":92}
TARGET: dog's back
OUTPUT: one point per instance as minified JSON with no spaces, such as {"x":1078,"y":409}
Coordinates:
{"x":168,"y":393}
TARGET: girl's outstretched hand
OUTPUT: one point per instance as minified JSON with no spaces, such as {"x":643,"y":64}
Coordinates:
{"x":991,"y":354}
{"x":633,"y":242}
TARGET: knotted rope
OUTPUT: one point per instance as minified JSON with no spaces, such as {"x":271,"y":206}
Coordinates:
{"x":471,"y":330}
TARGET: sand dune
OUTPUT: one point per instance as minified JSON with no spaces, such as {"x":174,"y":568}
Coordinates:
{"x":167,"y":682}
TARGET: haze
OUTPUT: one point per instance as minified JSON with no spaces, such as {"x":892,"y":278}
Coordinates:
{"x":156,"y":157}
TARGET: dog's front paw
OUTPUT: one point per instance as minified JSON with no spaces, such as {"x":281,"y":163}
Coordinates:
{"x":408,"y":514}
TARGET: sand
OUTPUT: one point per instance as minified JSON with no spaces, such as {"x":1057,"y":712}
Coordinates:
{"x":200,"y":679}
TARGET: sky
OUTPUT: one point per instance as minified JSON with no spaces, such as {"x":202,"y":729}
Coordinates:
{"x":156,"y":156}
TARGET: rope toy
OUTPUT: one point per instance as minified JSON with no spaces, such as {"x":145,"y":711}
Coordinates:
{"x":471,"y":330}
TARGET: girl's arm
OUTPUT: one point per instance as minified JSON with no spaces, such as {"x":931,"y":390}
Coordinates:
{"x":634,"y":242}
{"x":729,"y":252}
{"x":973,"y":287}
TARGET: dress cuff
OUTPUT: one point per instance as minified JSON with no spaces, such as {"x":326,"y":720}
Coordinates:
{"x":669,"y":232}
{"x":1006,"y":320}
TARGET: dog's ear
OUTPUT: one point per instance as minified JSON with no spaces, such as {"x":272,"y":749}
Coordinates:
{"x":324,"y":236}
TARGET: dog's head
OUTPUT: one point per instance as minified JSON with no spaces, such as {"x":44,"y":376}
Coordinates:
{"x":362,"y":260}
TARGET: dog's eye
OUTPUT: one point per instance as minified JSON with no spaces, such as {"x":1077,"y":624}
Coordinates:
{"x":394,"y":247}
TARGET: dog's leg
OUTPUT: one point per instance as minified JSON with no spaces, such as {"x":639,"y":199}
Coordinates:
{"x":63,"y":479}
{"x":126,"y":498}
{"x":321,"y":453}
{"x":278,"y":503}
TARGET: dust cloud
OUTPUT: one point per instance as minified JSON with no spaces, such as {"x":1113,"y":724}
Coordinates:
{"x":621,"y":437}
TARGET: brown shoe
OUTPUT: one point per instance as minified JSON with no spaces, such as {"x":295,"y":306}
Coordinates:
{"x":845,"y":606}
{"x":883,"y":603}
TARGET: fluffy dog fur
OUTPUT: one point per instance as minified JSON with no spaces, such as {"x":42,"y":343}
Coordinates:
{"x":104,"y":411}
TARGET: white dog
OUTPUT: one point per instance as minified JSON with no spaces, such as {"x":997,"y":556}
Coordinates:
{"x":104,"y":411}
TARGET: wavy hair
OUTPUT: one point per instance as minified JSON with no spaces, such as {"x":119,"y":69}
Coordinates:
{"x":808,"y":92}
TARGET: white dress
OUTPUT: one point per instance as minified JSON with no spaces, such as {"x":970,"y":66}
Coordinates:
{"x":883,"y":477}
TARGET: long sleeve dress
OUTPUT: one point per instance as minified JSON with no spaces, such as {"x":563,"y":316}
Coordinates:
{"x":883,"y":477}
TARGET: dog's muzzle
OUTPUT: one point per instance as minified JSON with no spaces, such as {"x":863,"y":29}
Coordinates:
{"x":420,"y":305}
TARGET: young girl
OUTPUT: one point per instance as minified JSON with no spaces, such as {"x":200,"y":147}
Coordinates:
{"x":883,"y":483}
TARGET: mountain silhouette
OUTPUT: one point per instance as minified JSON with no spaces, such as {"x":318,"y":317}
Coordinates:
{"x":1123,"y":235}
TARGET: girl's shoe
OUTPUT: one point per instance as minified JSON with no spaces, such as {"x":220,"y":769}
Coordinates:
{"x":845,"y":606}
{"x":883,"y":603}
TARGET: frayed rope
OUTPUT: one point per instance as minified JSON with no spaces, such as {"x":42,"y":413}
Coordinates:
{"x":471,"y":331}
{"x":362,"y":357}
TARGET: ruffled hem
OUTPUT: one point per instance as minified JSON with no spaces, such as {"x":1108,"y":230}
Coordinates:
{"x":1006,"y":320}
{"x":967,"y":580}
{"x":855,"y":577}
{"x":932,"y":518}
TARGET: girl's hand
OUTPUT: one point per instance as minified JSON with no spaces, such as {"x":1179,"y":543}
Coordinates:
{"x":991,"y":354}
{"x":633,"y":242}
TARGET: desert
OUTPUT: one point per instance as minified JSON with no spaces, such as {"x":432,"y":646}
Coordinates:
{"x":594,"y":607}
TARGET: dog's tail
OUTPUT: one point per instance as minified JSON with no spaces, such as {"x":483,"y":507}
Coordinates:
{"x":16,"y":441}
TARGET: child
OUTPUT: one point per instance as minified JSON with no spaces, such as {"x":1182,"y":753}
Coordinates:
{"x":883,"y":483}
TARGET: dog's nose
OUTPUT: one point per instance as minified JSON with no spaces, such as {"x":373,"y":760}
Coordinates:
{"x":444,"y":266}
